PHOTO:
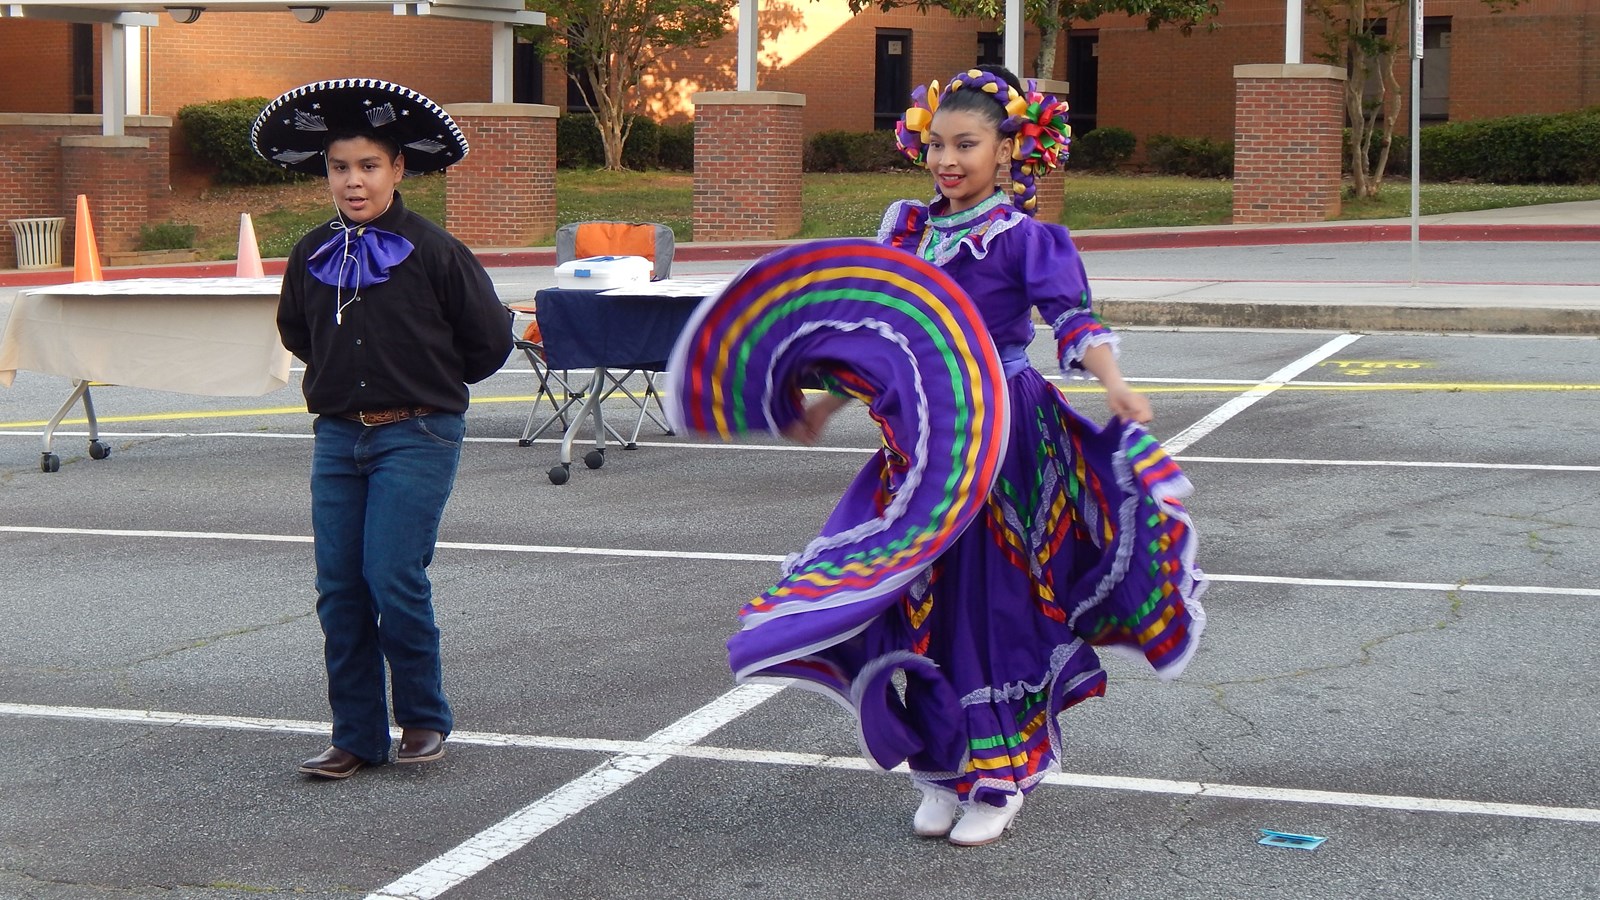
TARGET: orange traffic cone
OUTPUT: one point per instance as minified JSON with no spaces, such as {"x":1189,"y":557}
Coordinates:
{"x":249,"y":251}
{"x":85,"y":252}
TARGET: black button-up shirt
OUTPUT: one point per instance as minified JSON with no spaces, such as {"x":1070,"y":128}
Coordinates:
{"x":417,"y":339}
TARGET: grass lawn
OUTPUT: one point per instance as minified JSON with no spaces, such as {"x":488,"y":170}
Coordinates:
{"x":834,"y":204}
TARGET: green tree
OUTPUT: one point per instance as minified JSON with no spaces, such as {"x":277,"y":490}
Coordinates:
{"x":1052,"y":17}
{"x":1368,"y":39}
{"x":608,"y":44}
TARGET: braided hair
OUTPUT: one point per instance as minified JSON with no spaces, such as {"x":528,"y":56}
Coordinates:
{"x":1036,"y":123}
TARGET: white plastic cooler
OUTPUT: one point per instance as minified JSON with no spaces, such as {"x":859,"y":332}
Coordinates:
{"x":598,"y":273}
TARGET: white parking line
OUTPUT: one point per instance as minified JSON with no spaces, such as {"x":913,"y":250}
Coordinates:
{"x":716,"y":556}
{"x":861,"y":451}
{"x":1389,"y":463}
{"x":1215,"y":419}
{"x":633,"y":758}
{"x":514,"y":832}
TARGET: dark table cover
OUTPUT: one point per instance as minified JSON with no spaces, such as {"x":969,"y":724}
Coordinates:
{"x":586,"y":329}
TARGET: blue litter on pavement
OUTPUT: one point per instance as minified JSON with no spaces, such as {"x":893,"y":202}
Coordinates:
{"x":1292,"y":841}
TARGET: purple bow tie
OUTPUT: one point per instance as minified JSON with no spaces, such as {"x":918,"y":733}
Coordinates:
{"x":358,"y":256}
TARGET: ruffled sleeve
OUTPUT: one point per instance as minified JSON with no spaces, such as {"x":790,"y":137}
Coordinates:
{"x":903,"y":224}
{"x":1059,"y":288}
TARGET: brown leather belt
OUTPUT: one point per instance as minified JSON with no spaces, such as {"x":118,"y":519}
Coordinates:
{"x":386,"y":416}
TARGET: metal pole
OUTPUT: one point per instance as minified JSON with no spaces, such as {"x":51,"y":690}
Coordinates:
{"x":113,"y":72}
{"x":502,"y":65}
{"x":1416,"y":138}
{"x":135,"y":58}
{"x":749,"y":45}
{"x":1292,"y":33}
{"x":1013,"y":41}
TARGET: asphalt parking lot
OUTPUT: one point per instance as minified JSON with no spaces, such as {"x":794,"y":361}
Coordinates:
{"x":1402,"y":529}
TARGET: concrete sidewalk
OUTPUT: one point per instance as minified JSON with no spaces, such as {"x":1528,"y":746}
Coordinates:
{"x":1292,"y":299}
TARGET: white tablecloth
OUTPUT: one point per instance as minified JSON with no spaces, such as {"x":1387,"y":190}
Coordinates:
{"x":212,"y":336}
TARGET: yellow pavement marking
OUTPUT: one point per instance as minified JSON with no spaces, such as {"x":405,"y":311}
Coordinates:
{"x":1451,"y":387}
{"x":1375,"y":364}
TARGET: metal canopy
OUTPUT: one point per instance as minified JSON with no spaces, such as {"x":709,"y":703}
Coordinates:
{"x":122,"y":12}
{"x":119,"y":69}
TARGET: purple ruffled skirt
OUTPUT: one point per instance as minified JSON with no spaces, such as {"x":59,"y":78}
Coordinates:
{"x":1083,"y":543}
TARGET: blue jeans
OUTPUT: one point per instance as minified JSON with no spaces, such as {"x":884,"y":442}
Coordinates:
{"x":376,"y":498}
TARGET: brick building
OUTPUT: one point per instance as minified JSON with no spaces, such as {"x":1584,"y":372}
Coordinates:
{"x":1541,"y":56}
{"x":825,"y":69}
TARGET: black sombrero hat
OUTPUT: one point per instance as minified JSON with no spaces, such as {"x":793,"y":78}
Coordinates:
{"x":291,"y":129}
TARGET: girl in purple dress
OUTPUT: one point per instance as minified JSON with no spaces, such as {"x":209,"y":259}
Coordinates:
{"x":1082,"y":542}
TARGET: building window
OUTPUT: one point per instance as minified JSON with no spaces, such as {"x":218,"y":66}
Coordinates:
{"x":83,"y":68}
{"x":527,"y":73}
{"x":1435,"y":69}
{"x":1435,"y":105}
{"x":1083,"y":79}
{"x":991,"y":49}
{"x":892,"y":78}
{"x":578,"y":98}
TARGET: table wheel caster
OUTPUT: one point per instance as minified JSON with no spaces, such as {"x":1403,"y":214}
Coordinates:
{"x":522,"y":442}
{"x":560,"y":474}
{"x":49,"y":462}
{"x":99,"y":449}
{"x":594,"y":459}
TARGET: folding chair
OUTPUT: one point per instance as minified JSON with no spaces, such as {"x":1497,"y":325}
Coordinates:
{"x":654,"y":242}
{"x":531,"y":344}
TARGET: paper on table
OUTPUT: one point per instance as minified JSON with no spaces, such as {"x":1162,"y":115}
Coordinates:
{"x":671,"y":287}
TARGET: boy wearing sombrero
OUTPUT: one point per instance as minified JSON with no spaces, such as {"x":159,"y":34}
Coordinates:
{"x":393,"y":318}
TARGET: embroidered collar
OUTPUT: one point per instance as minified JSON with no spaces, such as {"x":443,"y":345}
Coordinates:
{"x":924,"y":229}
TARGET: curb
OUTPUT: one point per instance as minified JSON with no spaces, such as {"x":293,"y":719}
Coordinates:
{"x":1178,"y":238}
{"x":1544,"y":321}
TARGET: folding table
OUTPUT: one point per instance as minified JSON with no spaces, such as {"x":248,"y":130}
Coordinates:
{"x":212,"y":336}
{"x":628,"y":329}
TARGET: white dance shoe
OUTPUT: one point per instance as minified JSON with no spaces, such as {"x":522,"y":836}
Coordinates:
{"x":936,"y":813}
{"x":983,"y":824}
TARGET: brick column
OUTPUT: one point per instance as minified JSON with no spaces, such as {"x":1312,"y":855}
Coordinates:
{"x":747,"y":173}
{"x":32,"y":161}
{"x":1051,"y":189}
{"x":504,"y":193}
{"x":1288,"y":123}
{"x":115,"y":172}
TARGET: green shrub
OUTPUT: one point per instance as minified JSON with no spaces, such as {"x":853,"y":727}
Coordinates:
{"x":166,"y":236}
{"x":1102,"y":150}
{"x":852,"y":151}
{"x":677,"y":147}
{"x":1571,"y":148}
{"x":218,"y":133}
{"x":643,"y":149}
{"x":1399,"y":154}
{"x":1530,"y":149}
{"x":578,"y":143}
{"x":1192,"y":157}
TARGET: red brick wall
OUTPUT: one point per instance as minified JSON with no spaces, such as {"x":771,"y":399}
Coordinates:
{"x":1162,"y":82}
{"x":264,"y":54}
{"x":1286,"y":149}
{"x":126,"y":186}
{"x":36,"y":66}
{"x":1542,"y":56}
{"x":30,"y":178}
{"x":835,"y":74}
{"x":747,"y":171}
{"x":1529,"y":63}
{"x":504,"y":193}
{"x":38,"y":177}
